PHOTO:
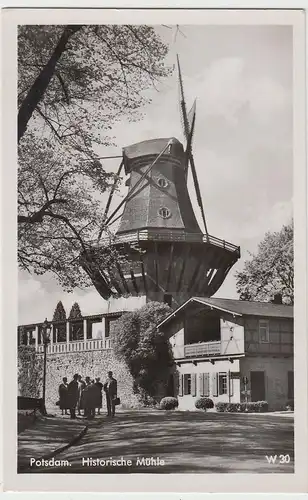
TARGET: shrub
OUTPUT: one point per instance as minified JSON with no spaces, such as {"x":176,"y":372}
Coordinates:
{"x":251,"y":407}
{"x":220,"y":406}
{"x":261,"y":406}
{"x":168,"y":403}
{"x":204,"y":403}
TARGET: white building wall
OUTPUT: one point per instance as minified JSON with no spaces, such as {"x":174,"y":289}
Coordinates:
{"x":187,"y":402}
{"x":177,"y":344}
{"x":231,"y":335}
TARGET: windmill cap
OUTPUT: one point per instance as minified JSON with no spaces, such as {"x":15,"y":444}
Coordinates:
{"x":151,"y":147}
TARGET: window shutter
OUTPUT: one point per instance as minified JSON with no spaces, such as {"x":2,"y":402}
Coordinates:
{"x":214,"y":384}
{"x":181,"y":385}
{"x":201,"y":385}
{"x":206,"y":384}
{"x":193,"y":384}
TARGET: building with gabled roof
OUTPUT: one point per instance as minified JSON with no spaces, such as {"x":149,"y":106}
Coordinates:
{"x":232,"y":351}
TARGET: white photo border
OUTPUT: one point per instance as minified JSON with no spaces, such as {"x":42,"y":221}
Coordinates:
{"x":202,"y":483}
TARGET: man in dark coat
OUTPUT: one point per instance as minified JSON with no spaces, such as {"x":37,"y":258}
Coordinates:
{"x":63,"y":396}
{"x":110,"y":388}
{"x":73,"y":394}
{"x":99,"y":397}
{"x":91,"y":399}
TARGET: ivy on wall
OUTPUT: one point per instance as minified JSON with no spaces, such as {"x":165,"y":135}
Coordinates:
{"x":30,"y":372}
{"x":146,"y":351}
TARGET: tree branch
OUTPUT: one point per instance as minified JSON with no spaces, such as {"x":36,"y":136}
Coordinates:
{"x":41,"y":83}
{"x":40,"y":214}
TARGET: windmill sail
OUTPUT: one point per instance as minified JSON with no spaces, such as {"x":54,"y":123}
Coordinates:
{"x":188,"y":120}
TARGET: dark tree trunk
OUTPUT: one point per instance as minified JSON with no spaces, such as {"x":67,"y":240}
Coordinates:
{"x":41,"y":83}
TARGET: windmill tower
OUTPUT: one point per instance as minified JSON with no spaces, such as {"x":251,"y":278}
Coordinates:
{"x":168,"y":257}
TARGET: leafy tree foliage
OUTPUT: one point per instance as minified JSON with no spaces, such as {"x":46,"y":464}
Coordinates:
{"x":146,"y":351}
{"x":75,"y":83}
{"x":60,"y":212}
{"x":59,"y":313}
{"x":75,"y":312}
{"x":80,"y":79}
{"x":270,"y":271}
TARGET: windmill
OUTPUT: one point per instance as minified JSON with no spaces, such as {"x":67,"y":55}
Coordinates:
{"x":166,"y":256}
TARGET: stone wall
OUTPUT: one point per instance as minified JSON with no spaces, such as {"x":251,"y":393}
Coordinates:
{"x":89,"y":363}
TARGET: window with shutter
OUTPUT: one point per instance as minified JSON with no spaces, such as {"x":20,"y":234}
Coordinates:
{"x":263,"y":331}
{"x":201,"y":386}
{"x":187,"y":384}
{"x":223,"y":385}
{"x":206,"y":384}
{"x":193,"y":385}
{"x":214,"y":384}
{"x":181,"y":385}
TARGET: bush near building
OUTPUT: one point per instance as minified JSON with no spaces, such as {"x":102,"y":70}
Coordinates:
{"x":168,"y":403}
{"x":251,"y":407}
{"x":204,"y":404}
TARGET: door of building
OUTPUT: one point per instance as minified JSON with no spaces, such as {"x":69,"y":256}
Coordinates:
{"x":257,"y":386}
{"x":290,"y":385}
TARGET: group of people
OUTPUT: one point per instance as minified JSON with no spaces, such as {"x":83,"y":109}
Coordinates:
{"x":86,"y":395}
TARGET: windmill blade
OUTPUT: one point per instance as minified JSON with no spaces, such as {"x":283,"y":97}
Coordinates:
{"x":113,"y":189}
{"x":188,"y":120}
{"x":197,"y":189}
{"x":184,"y":116}
{"x":191,"y":123}
{"x":110,"y":200}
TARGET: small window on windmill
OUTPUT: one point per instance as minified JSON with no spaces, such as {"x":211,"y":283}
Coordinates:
{"x":164,"y":212}
{"x":168,"y":150}
{"x":162,"y":182}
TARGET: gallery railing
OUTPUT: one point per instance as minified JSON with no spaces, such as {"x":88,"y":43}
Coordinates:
{"x":77,"y":346}
{"x":202,"y":349}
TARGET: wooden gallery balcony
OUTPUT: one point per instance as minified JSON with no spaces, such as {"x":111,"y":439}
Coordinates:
{"x":202,"y":349}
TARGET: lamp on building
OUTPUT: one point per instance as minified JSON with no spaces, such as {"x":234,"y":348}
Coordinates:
{"x":46,"y":331}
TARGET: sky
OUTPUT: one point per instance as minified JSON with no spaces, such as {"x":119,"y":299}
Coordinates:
{"x":241,"y":77}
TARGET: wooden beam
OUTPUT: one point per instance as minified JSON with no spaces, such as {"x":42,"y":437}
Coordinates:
{"x":207,"y":266}
{"x":143,"y":274}
{"x":114,"y":282}
{"x":122,"y":278}
{"x":169,"y":266}
{"x":194,"y":275}
{"x":134,"y":281}
{"x":156,"y":265}
{"x":185,"y":259}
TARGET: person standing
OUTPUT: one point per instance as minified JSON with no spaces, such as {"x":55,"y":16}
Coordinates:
{"x":91,"y":399}
{"x":85,"y":397}
{"x":99,"y":395}
{"x":63,"y":396}
{"x":73,"y":395}
{"x":110,"y":388}
{"x":81,"y":386}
